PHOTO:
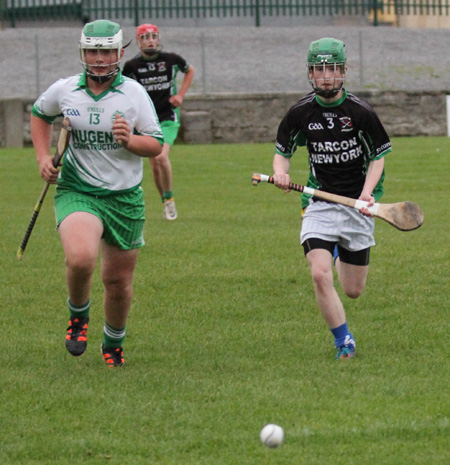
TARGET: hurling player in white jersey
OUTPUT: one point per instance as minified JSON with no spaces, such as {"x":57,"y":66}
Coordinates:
{"x":99,"y":202}
{"x":346,"y":143}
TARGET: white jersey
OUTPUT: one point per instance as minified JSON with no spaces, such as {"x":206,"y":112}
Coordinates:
{"x":94,"y":161}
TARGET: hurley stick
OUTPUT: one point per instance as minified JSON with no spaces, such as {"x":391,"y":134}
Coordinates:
{"x":63,"y":143}
{"x":405,"y":216}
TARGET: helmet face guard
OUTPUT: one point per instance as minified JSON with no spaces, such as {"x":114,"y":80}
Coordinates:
{"x":101,"y":35}
{"x":327,"y":55}
{"x":144,"y":33}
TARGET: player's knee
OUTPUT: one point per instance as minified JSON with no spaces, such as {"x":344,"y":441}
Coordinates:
{"x":81,"y":263}
{"x":162,"y":158}
{"x":353,"y":293}
{"x":353,"y":290}
{"x":117,"y":284}
{"x":321,"y":277}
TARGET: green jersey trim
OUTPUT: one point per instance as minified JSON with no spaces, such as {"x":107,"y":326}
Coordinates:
{"x":332,"y":104}
{"x":82,"y":84}
{"x":36,"y":111}
{"x":152,"y":58}
{"x":298,"y":140}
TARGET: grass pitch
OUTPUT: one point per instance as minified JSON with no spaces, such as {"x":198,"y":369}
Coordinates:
{"x":224,"y":335}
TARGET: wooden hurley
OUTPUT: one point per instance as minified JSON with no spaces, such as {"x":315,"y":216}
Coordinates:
{"x":63,"y":143}
{"x":405,"y":216}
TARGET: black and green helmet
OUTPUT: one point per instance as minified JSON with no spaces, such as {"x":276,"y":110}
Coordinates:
{"x":322,"y":52}
{"x":327,"y":50}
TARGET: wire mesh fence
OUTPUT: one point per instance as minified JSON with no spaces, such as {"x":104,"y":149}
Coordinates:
{"x":14,"y":11}
{"x":242,"y":60}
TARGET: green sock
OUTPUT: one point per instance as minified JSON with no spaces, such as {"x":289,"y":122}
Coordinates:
{"x":113,"y":337}
{"x":167,"y":195}
{"x":80,"y":311}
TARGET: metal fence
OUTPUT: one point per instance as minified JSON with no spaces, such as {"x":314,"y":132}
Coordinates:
{"x":14,"y":11}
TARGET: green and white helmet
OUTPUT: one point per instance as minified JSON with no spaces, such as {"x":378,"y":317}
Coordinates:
{"x":105,"y":35}
{"x":327,"y":51}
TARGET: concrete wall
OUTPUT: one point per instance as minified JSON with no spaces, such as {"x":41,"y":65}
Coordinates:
{"x":238,"y":118}
{"x":227,"y":118}
{"x":12,"y":123}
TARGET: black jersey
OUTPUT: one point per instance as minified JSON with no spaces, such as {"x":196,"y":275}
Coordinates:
{"x":341,"y":138}
{"x":158,"y":76}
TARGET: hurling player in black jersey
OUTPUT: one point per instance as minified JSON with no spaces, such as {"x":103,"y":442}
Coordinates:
{"x":156,"y":70}
{"x":346,"y":143}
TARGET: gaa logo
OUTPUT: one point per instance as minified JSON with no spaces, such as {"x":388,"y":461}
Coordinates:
{"x":315,"y":127}
{"x":72,"y":112}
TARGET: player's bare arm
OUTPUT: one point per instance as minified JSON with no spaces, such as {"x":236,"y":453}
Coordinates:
{"x":143,"y":146}
{"x":281,"y":176}
{"x":41,"y":133}
{"x":374,"y":173}
{"x":177,"y":100}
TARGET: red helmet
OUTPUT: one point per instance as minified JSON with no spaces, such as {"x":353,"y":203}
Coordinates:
{"x":144,"y":28}
{"x":143,"y":33}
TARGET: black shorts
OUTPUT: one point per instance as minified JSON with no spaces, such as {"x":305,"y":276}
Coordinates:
{"x":360,"y":257}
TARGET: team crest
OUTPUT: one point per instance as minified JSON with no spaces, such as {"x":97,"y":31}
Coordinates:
{"x":346,"y":124}
{"x":117,"y":112}
{"x":162,"y":67}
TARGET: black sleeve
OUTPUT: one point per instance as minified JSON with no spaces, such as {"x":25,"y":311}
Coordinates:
{"x":128,"y":70}
{"x":289,"y":134}
{"x":181,"y":63}
{"x":374,"y":134}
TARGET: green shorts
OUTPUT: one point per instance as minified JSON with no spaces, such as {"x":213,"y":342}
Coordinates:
{"x":170,"y":131}
{"x":122,"y":215}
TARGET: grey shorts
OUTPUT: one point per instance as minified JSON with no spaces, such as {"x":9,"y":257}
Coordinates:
{"x":338,"y":223}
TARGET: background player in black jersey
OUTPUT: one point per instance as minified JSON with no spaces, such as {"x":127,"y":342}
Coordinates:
{"x":156,"y":70}
{"x":346,"y":143}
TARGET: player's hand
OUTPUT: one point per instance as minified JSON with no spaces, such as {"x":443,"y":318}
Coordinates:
{"x":48,"y":172}
{"x":365,"y":210}
{"x":121,"y":131}
{"x":282,"y":181}
{"x":176,"y":100}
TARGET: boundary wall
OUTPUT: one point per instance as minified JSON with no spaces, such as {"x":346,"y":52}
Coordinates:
{"x":247,"y":118}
